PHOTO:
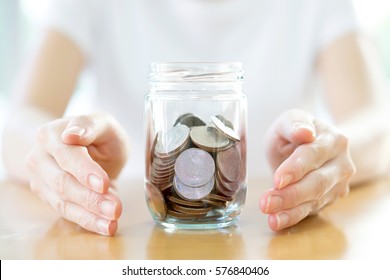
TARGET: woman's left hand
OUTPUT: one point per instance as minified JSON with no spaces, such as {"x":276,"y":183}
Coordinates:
{"x":312,"y":168}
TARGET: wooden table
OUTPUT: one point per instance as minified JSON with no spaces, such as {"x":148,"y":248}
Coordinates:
{"x":355,"y":227}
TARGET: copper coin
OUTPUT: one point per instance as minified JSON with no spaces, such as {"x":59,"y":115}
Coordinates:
{"x":229,"y":164}
{"x":227,"y":131}
{"x":194,"y":167}
{"x":190,"y":210}
{"x":184,"y":202}
{"x":166,"y":186}
{"x":171,"y":140}
{"x":156,"y":202}
{"x":191,"y":193}
{"x":231,"y":186}
{"x":208,"y":138}
{"x":218,"y":197}
{"x":222,"y":190}
{"x":218,"y":204}
{"x":181,"y":215}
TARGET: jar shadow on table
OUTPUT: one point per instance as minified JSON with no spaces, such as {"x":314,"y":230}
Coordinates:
{"x":313,"y":238}
{"x":65,"y":240}
{"x":166,"y":244}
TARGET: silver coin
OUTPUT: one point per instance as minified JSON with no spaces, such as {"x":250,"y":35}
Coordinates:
{"x":155,"y":201}
{"x":172,"y":140}
{"x":190,"y":193}
{"x":225,"y":121}
{"x":208,"y":138}
{"x":194,"y":167}
{"x":178,"y":120}
{"x":230,"y":133}
{"x":191,"y":120}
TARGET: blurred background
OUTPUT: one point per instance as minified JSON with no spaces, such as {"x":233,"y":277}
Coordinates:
{"x":20,"y":25}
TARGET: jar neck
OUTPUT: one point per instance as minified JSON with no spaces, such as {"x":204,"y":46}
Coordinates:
{"x":196,"y":76}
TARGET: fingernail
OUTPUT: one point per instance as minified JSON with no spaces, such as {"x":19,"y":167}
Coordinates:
{"x":285,"y":180}
{"x":108,"y":208}
{"x":75,"y":130}
{"x":102,"y":226}
{"x":282,"y":220}
{"x":95,"y":182}
{"x":274,"y":203}
{"x":305,"y":126}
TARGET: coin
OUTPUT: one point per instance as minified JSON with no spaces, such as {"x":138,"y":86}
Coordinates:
{"x":190,"y":210}
{"x":229,"y":164}
{"x":184,"y":202}
{"x":194,"y":167}
{"x":208,"y":138}
{"x":218,"y":204}
{"x":219,"y":197}
{"x":190,"y":120}
{"x":222,"y":190}
{"x":227,"y":131}
{"x":156,"y":202}
{"x":191,"y":193}
{"x":180,"y":215}
{"x":178,"y":120}
{"x":171,"y":140}
{"x":225,"y":121}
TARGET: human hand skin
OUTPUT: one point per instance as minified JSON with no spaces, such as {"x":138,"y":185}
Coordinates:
{"x":312,"y":168}
{"x":72,"y":164}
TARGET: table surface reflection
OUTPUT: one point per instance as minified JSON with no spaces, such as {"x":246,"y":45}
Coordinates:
{"x":355,"y":227}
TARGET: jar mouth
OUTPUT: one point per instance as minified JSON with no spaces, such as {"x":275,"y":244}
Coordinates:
{"x":195,"y":71}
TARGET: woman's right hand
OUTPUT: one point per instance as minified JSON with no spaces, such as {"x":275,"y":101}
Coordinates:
{"x":72,"y":164}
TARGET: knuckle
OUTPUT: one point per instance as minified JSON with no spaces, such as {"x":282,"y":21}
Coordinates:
{"x":41,"y":135}
{"x":34,"y":187}
{"x":60,"y":183}
{"x":299,"y":167}
{"x":317,"y":152}
{"x":321,"y":185}
{"x":61,"y":207}
{"x":31,"y":161}
{"x":92,"y":201}
{"x":342,"y":141}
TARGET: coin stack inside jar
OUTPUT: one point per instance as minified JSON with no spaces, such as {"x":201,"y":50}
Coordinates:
{"x":196,"y":169}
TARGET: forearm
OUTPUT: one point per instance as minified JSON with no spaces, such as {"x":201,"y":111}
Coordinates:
{"x":18,"y":137}
{"x":369,"y":135}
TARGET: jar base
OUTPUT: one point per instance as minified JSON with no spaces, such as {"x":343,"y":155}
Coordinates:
{"x":180,"y":225}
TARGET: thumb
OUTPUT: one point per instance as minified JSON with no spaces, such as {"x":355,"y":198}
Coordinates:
{"x":297,"y":127}
{"x":87,"y":129}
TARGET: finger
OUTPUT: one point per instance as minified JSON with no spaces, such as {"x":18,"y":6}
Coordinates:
{"x":289,"y":217}
{"x":69,"y":188}
{"x":79,"y":215}
{"x":308,"y":157}
{"x":311,"y":188}
{"x":296,"y":126}
{"x":87,"y":129}
{"x":76,"y":161}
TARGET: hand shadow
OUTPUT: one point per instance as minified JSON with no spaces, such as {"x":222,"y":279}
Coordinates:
{"x":66,"y":240}
{"x":312,"y":238}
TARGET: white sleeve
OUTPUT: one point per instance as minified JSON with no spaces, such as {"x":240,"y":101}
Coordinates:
{"x":337,"y":18}
{"x":76,"y":19}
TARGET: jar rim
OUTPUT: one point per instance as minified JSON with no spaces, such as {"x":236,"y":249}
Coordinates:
{"x":195,"y":71}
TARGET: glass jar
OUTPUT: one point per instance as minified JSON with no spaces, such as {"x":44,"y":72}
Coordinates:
{"x":196,"y":130}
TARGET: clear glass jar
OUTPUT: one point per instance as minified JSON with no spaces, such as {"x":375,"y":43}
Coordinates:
{"x":196,"y":130}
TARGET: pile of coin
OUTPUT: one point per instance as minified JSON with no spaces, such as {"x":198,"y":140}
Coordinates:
{"x":195,"y":169}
